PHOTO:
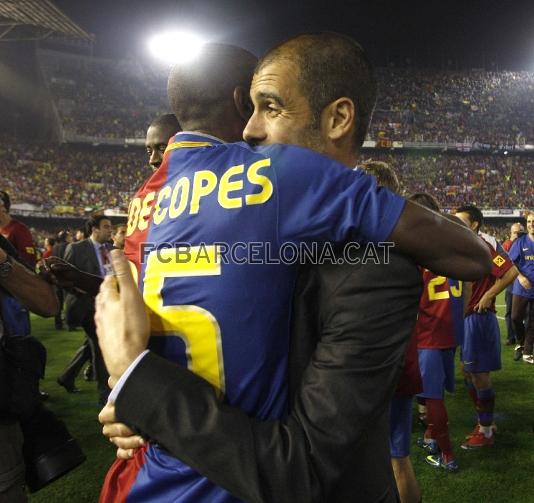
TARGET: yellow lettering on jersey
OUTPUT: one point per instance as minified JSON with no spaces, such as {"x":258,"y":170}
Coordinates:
{"x":159,"y":213}
{"x":30,"y":250}
{"x":432,"y":284}
{"x":226,"y":186}
{"x":180,"y":189}
{"x":204,"y":183}
{"x":456,"y":291}
{"x":196,"y":326}
{"x":255,"y":178}
{"x":146,"y":208}
{"x":499,"y":261}
{"x":133,"y":216}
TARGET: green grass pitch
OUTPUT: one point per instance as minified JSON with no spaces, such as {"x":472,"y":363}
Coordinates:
{"x":501,"y":473}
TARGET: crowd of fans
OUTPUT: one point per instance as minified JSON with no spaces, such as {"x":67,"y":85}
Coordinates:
{"x":469,"y":106}
{"x":71,"y":180}
{"x":102,"y":98}
{"x":116,"y":99}
{"x":65,"y":180}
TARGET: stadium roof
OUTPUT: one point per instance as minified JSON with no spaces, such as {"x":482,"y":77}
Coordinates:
{"x":36,"y":20}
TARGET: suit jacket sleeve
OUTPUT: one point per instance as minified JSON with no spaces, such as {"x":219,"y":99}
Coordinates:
{"x":366,"y":315}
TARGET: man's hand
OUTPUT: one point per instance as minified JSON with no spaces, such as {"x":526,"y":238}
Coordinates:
{"x":524,"y":282}
{"x":484,"y":303}
{"x":121,"y":319}
{"x":63,"y":274}
{"x":118,"y":433}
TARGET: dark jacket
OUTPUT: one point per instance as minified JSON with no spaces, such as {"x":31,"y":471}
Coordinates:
{"x":351,"y":326}
{"x":79,"y":306}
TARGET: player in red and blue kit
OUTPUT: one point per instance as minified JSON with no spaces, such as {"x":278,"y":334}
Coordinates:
{"x":201,"y":301}
{"x":522,"y":255}
{"x":439,"y":328}
{"x":481,"y":350}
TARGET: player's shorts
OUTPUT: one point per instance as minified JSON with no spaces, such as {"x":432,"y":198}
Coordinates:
{"x":437,"y":372}
{"x":400,"y":427}
{"x":481,"y":351}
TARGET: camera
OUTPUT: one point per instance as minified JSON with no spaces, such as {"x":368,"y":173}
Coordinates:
{"x":49,"y":450}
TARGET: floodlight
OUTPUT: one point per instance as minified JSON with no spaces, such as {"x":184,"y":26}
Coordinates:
{"x":176,"y":46}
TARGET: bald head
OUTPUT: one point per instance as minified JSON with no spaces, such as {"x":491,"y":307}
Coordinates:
{"x":330,"y":66}
{"x":202,"y":93}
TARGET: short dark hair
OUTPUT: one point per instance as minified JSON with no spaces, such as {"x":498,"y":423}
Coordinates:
{"x":201,"y":91}
{"x":167,"y":121}
{"x":426,"y":200}
{"x":475,"y":215}
{"x":62,"y":236}
{"x":331,"y":66}
{"x":6,"y":201}
{"x":94,"y":221}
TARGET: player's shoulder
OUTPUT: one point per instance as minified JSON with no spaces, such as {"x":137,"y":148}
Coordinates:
{"x":491,"y":241}
{"x":290,"y":153}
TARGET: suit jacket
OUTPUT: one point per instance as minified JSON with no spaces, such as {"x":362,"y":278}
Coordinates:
{"x":79,"y":306}
{"x":351,"y":326}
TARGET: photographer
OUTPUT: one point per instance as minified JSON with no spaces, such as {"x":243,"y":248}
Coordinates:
{"x":29,"y":434}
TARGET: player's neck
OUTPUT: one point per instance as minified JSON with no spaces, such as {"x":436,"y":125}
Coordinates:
{"x":5,"y":219}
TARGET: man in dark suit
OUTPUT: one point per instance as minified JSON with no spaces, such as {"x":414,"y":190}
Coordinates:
{"x":90,"y":255}
{"x":351,"y":324}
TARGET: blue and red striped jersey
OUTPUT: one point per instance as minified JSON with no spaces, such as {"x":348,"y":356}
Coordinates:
{"x":440,"y":320}
{"x":204,"y":236}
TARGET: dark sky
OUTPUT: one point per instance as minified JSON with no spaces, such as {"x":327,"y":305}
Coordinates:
{"x":471,"y":33}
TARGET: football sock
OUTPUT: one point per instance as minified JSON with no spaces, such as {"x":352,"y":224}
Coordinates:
{"x":439,"y":425}
{"x":472,"y":391}
{"x":485,"y":407}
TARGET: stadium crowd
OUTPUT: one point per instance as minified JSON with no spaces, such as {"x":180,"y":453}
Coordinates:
{"x":70,"y":180}
{"x":64,"y":180}
{"x":105,"y":98}
{"x":477,"y":106}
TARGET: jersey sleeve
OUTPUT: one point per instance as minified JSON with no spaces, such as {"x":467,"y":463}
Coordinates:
{"x":321,"y":199}
{"x":500,"y":262}
{"x":25,"y":246}
{"x":515,"y":251}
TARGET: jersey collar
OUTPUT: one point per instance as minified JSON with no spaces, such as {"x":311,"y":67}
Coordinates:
{"x":191,"y":139}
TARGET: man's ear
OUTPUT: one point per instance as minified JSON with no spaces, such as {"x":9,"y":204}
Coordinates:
{"x":242,"y":103}
{"x":339,"y":119}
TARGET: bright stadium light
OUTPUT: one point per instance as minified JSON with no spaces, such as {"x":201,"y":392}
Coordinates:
{"x":176,"y":46}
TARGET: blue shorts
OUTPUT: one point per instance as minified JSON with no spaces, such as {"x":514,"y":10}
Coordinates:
{"x":437,"y":372}
{"x":481,"y":351}
{"x":400,"y":426}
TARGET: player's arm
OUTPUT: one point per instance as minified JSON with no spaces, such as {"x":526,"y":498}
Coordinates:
{"x":320,"y":199}
{"x":499,"y":285}
{"x":441,"y":245}
{"x":526,"y":277}
{"x":28,"y":288}
{"x":344,"y":388}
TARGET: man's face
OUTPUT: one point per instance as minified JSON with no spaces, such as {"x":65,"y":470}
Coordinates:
{"x":530,"y":225}
{"x":156,"y":142}
{"x":118,"y":237}
{"x":281,"y":113}
{"x":102,"y":233}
